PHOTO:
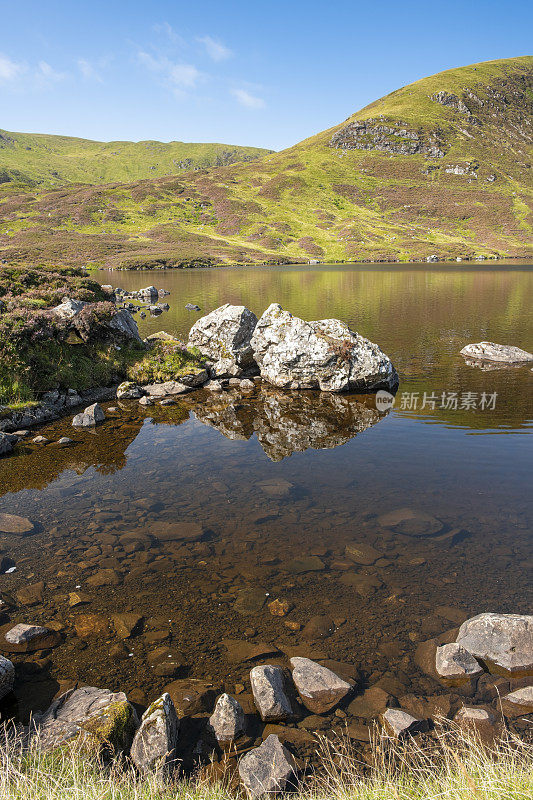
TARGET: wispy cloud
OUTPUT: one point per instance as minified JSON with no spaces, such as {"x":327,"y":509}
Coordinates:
{"x":89,"y":71}
{"x":177,"y":76}
{"x":215,"y":49}
{"x":47,"y":73}
{"x":247,"y":99}
{"x":166,"y":29}
{"x":10,"y":70}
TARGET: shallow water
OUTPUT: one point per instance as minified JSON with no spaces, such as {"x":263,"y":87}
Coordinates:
{"x":273,"y":478}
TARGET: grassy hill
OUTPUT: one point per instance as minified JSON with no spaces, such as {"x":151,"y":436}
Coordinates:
{"x":442,"y":166}
{"x":41,"y":159}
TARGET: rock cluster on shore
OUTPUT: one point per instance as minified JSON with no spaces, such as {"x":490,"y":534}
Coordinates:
{"x":98,"y":718}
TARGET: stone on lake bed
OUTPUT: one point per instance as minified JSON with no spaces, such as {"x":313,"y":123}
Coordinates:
{"x":91,"y":416}
{"x":227,"y":721}
{"x":11,"y":523}
{"x":127,"y":624}
{"x":154,"y":744}
{"x":267,"y":769}
{"x":500,"y":353}
{"x":238,"y":650}
{"x":268,"y":689}
{"x":31,"y":595}
{"x":191,"y":695}
{"x":177,"y":531}
{"x":502,"y":642}
{"x":410,"y":522}
{"x":371,"y":703}
{"x":519,"y":702}
{"x":400,"y":724}
{"x":362,"y":553}
{"x":455,"y":666}
{"x":305,"y":564}
{"x":319,"y":688}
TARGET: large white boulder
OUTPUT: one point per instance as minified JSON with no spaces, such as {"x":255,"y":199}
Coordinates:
{"x":322,"y":354}
{"x":154,"y":744}
{"x":503,"y":642}
{"x":223,"y":337}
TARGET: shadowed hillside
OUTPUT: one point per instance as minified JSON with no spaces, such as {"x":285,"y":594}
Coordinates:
{"x":442,"y":166}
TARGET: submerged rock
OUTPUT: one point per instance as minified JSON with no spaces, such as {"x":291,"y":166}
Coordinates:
{"x":411,"y":522}
{"x":91,"y":416}
{"x":503,"y":642}
{"x":267,"y":769}
{"x":227,"y":721}
{"x":501,"y":353}
{"x":12,"y":523}
{"x":319,"y":688}
{"x":268,"y":688}
{"x":223,"y":336}
{"x":322,"y":354}
{"x":154,"y":744}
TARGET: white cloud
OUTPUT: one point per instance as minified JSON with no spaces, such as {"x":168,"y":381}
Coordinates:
{"x":9,"y":70}
{"x":215,"y":49}
{"x":166,"y":29}
{"x":48,"y":73}
{"x":248,"y":100}
{"x":178,"y":76}
{"x":89,"y":71}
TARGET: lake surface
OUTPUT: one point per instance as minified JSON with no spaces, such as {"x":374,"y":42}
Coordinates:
{"x":280,"y":483}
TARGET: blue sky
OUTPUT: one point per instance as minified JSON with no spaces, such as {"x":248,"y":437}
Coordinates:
{"x":266,"y":74}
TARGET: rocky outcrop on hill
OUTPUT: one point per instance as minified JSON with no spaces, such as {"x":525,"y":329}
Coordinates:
{"x":375,"y":134}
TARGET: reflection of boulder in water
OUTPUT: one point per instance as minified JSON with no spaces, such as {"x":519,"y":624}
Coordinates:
{"x":286,"y":423}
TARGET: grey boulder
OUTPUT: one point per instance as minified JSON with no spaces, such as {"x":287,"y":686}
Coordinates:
{"x":499,"y":353}
{"x":267,"y":769}
{"x":503,"y":642}
{"x":455,"y":666}
{"x":154,"y":744}
{"x":400,"y":724}
{"x":91,"y":416}
{"x":323,"y":354}
{"x":128,"y":391}
{"x":95,"y":716}
{"x":227,"y":722}
{"x":68,"y":309}
{"x":7,"y":676}
{"x":320,"y":689}
{"x":518,"y":702}
{"x":7,"y":442}
{"x":223,"y":337}
{"x":268,"y":689}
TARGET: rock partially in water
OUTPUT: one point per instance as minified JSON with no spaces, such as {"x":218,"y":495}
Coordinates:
{"x":154,"y":744}
{"x":12,"y":523}
{"x":519,"y":702}
{"x":7,"y":676}
{"x":191,"y":696}
{"x":499,"y":353}
{"x":227,"y":722}
{"x":268,"y":688}
{"x":97,"y":716}
{"x":400,"y":724}
{"x":7,"y":443}
{"x":91,"y":416}
{"x":323,"y":354}
{"x":128,"y":391}
{"x":192,"y":307}
{"x":320,"y":689}
{"x":166,"y":389}
{"x":268,"y":769}
{"x":455,"y":666}
{"x":411,"y":522}
{"x":223,"y":336}
{"x":480,"y":721}
{"x":25,"y":638}
{"x":503,"y":642}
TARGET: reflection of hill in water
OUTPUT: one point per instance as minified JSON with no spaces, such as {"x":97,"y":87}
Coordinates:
{"x":290,"y":422}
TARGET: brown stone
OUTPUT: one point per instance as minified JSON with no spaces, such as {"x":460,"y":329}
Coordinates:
{"x":239,"y":650}
{"x":371,"y":703}
{"x":318,"y":627}
{"x":191,"y":696}
{"x":78,"y":599}
{"x":40,"y":638}
{"x":127,"y":624}
{"x":104,"y":577}
{"x":11,"y":523}
{"x":279,"y":608}
{"x":362,"y":553}
{"x":88,"y":625}
{"x":31,"y":595}
{"x":177,"y":531}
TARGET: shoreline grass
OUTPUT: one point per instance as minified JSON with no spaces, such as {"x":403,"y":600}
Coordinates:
{"x":456,"y":765}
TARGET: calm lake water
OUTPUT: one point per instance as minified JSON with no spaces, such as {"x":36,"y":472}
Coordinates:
{"x":280,"y":483}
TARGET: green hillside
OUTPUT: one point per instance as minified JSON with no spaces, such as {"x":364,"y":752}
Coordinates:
{"x":41,"y":159}
{"x":442,"y":166}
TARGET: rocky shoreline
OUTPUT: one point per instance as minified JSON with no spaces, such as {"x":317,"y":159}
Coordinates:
{"x":258,"y":734}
